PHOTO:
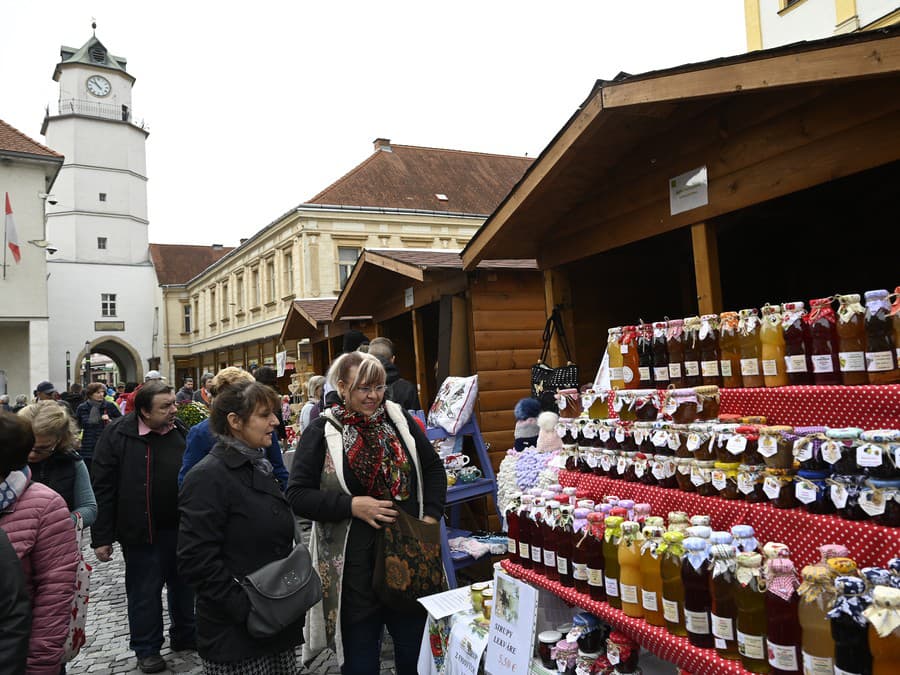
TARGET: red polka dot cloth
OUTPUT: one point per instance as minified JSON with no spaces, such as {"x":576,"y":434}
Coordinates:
{"x":867,"y":406}
{"x":658,"y":640}
{"x":803,"y":532}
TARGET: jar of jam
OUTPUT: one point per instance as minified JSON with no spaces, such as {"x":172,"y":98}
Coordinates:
{"x":587,"y":661}
{"x":642,"y":433}
{"x":812,"y":492}
{"x":776,"y":450}
{"x":622,"y":436}
{"x":807,"y":448}
{"x":750,"y":453}
{"x":606,"y":434}
{"x":547,"y":648}
{"x":566,"y":656}
{"x":679,"y":432}
{"x":642,"y":469}
{"x":659,"y":439}
{"x":878,"y":453}
{"x":724,"y":480}
{"x":880,"y":499}
{"x":663,"y":469}
{"x":750,"y":479}
{"x":592,"y":632}
{"x":683,"y":469}
{"x":778,"y":486}
{"x":622,"y":652}
{"x":624,"y":469}
{"x":724,"y":435}
{"x":678,"y":521}
{"x":707,"y":402}
{"x":642,"y":512}
{"x":843,"y":490}
{"x":839,"y":450}
{"x":608,"y":460}
{"x":681,"y":405}
{"x":701,"y":477}
{"x":700,"y":441}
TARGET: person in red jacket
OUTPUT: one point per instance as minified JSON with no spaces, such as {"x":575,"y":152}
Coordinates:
{"x":36,"y":520}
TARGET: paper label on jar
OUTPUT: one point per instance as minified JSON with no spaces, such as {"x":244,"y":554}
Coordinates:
{"x":772,"y":487}
{"x":674,"y":441}
{"x":603,"y":434}
{"x":868,"y":455}
{"x":767,"y":446}
{"x":674,"y":371}
{"x":736,"y":444}
{"x":594,"y":577}
{"x":524,"y":551}
{"x":579,"y":571}
{"x":510,"y":546}
{"x":629,"y":594}
{"x":822,"y":363}
{"x":696,"y":622}
{"x":605,"y":462}
{"x":770,"y":367}
{"x":852,"y":362}
{"x":831,"y":451}
{"x":627,"y":374}
{"x":661,"y":373}
{"x":592,"y":459}
{"x":746,"y":483}
{"x":795,"y":363}
{"x":616,"y":374}
{"x":817,"y":665}
{"x":718,"y":479}
{"x":644,"y":373}
{"x":589,"y":431}
{"x":750,"y":367}
{"x":803,"y":450}
{"x":640,"y":467}
{"x":872,"y":502}
{"x":612,"y":587}
{"x":751,"y":646}
{"x":782,"y":657}
{"x":670,"y":610}
{"x":841,"y":671}
{"x":658,"y":469}
{"x":639,"y":436}
{"x":719,"y":643}
{"x":684,"y":468}
{"x":549,"y":558}
{"x":649,"y":601}
{"x":709,"y":368}
{"x":877,"y":362}
{"x":722,"y":627}
{"x":693,"y":442}
{"x":699,"y":476}
{"x":726,"y":368}
{"x":620,"y":434}
{"x":670,"y":467}
{"x":691,"y":368}
{"x":660,"y":438}
{"x":806,"y":492}
{"x":839,"y":496}
{"x":612,"y":654}
{"x":562,"y":565}
{"x":621,"y":465}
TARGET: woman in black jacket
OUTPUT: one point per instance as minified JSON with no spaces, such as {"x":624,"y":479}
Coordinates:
{"x":347,"y":461}
{"x":234,"y":520}
{"x":92,"y":416}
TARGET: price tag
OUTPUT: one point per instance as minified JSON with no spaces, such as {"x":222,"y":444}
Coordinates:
{"x":772,"y":487}
{"x":592,"y":458}
{"x":612,"y":653}
{"x":839,"y":496}
{"x":803,"y":449}
{"x":736,"y":444}
{"x":872,"y":501}
{"x":868,"y":455}
{"x":831,"y":451}
{"x":684,"y":468}
{"x":620,"y":434}
{"x":674,"y":442}
{"x":670,"y":467}
{"x":587,"y":400}
{"x":806,"y":492}
{"x":768,"y":446}
{"x":660,"y":438}
{"x":693,"y":441}
{"x":712,"y":443}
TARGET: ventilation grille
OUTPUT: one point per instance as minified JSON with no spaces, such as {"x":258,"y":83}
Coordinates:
{"x":98,"y":54}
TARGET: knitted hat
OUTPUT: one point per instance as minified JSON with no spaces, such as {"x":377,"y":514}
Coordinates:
{"x":527,"y":429}
{"x":548,"y":440}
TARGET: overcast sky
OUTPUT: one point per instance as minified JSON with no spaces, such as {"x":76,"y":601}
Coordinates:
{"x":254,"y":110}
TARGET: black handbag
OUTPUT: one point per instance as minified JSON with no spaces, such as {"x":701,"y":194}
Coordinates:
{"x":545,"y":380}
{"x":282,"y":591}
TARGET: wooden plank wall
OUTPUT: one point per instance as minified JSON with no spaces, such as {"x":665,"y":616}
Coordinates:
{"x":508,"y":315}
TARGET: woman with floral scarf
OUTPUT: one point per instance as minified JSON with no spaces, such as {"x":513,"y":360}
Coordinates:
{"x":377,"y":446}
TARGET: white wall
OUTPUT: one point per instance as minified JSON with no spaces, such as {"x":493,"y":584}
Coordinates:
{"x":812,"y":20}
{"x":871,"y":10}
{"x":73,"y":84}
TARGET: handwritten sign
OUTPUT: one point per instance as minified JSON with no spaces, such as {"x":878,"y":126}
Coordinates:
{"x":688,"y":190}
{"x":511,"y":635}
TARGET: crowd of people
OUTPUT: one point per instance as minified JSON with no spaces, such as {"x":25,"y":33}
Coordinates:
{"x":194,"y":511}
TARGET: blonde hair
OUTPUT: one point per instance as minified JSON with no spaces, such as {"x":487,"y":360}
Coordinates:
{"x":228,"y":377}
{"x":49,"y":418}
{"x":369,"y":370}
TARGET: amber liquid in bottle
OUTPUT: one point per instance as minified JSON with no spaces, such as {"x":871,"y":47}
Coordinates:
{"x":796,"y":337}
{"x":826,"y":365}
{"x":614,"y":352}
{"x":730,"y":350}
{"x":673,"y":593}
{"x":675,"y":350}
{"x":723,"y":612}
{"x":652,"y":587}
{"x":691,"y":364}
{"x":751,"y":350}
{"x":630,"y":570}
{"x":851,"y":330}
{"x":751,"y":625}
{"x":881,"y":359}
{"x":815,"y":629}
{"x":630,"y":358}
{"x":710,"y":356}
{"x":885,"y":650}
{"x":771,"y":338}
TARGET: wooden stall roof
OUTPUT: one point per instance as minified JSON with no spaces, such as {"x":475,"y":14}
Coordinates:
{"x":584,"y":160}
{"x":305,"y":317}
{"x":381,"y":269}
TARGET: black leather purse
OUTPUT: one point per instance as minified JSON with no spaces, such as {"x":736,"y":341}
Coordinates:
{"x":546,"y":381}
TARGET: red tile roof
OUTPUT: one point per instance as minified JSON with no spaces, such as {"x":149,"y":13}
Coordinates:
{"x":436,"y":258}
{"x":317,"y":309}
{"x":179,"y":263}
{"x":411,"y":177}
{"x":13,"y":140}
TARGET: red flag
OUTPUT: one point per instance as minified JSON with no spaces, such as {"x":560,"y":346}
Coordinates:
{"x":12,"y":236}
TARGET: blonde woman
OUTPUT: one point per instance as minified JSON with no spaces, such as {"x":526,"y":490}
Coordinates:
{"x":312,"y":407}
{"x":54,"y":461}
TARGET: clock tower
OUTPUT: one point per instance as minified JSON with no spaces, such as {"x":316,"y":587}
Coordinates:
{"x":102,"y":285}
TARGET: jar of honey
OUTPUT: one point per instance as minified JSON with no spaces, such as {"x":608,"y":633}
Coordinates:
{"x":724,"y":480}
{"x":750,"y":480}
{"x":683,"y":470}
{"x":707,"y":402}
{"x":701,"y":477}
{"x":812,"y":492}
{"x":778,"y":486}
{"x":775,"y":448}
{"x":594,"y":402}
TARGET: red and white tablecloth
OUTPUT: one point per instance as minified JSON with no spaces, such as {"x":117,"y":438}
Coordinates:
{"x":867,"y":406}
{"x":677,"y":650}
{"x":803,"y":532}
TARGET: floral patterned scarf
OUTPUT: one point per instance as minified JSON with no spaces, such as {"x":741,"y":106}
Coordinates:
{"x":12,"y":487}
{"x":372,"y":448}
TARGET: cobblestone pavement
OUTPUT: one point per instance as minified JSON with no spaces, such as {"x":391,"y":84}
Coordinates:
{"x":106,"y":651}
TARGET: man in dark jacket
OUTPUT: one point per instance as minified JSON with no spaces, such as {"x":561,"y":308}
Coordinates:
{"x":15,"y":610}
{"x":135,"y":478}
{"x":398,"y":390}
{"x":186,"y":393}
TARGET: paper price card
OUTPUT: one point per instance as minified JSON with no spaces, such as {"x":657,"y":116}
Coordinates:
{"x":511,"y":635}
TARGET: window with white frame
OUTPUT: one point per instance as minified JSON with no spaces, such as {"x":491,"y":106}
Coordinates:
{"x":254,"y":286}
{"x":270,"y":280}
{"x":187,"y":317}
{"x":107,"y":304}
{"x":347,"y":256}
{"x":212,"y":305}
{"x":288,"y":262}
{"x":239,"y":295}
{"x":225,"y":307}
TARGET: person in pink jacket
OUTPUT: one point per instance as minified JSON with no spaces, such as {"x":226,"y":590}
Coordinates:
{"x":36,"y":520}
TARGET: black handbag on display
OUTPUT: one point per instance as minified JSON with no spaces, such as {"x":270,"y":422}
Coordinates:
{"x":282,"y":591}
{"x":545,"y":380}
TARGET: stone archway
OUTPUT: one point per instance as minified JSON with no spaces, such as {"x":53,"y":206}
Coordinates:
{"x":125,"y":356}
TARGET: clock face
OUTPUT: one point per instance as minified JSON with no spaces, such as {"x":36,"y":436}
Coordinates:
{"x":98,"y":85}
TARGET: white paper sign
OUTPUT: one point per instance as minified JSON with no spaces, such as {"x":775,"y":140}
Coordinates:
{"x":511,"y":636}
{"x":281,"y":361}
{"x":408,"y":297}
{"x":449,"y":602}
{"x":688,"y":191}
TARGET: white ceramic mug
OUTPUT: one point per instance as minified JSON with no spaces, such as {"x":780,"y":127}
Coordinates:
{"x":456,"y":461}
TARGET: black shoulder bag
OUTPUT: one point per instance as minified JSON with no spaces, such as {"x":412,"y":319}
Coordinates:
{"x":545,"y":380}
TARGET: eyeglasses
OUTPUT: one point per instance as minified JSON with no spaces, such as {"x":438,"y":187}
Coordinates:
{"x":44,"y":449}
{"x":378,"y":389}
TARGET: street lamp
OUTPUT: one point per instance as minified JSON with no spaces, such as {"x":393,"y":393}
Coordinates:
{"x":68,"y":370}
{"x":86,"y":375}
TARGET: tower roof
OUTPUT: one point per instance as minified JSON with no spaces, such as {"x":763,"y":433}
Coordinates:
{"x":91,"y":53}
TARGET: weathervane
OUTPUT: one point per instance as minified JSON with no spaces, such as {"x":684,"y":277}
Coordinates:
{"x":94,"y":25}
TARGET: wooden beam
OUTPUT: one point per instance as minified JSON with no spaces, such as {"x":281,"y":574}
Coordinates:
{"x":421,"y":366}
{"x":507,"y":339}
{"x":706,"y":267}
{"x":558,"y":294}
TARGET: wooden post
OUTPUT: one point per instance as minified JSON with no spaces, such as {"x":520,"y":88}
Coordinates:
{"x":558,"y":292}
{"x":706,"y":268}
{"x":421,"y":366}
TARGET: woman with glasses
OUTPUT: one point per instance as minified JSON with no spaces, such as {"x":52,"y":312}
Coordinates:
{"x":353,"y":463}
{"x":54,"y":461}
